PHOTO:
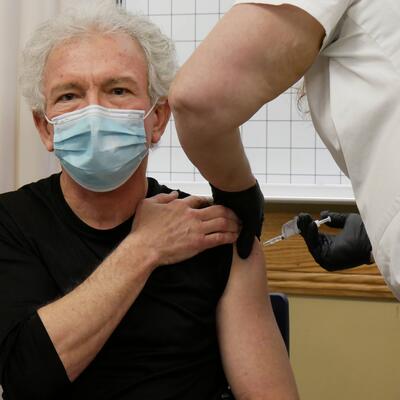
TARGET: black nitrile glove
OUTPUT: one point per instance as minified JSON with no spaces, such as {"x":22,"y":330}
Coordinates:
{"x":350,"y":248}
{"x":249,"y":207}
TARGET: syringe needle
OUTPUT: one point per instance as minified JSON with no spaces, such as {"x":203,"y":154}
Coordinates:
{"x":290,"y":232}
{"x":273,"y":240}
{"x":320,"y":222}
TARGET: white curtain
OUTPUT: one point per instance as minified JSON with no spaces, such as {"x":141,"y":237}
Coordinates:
{"x":23,"y":158}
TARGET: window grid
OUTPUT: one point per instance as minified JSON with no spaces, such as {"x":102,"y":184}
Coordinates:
{"x":304,"y":159}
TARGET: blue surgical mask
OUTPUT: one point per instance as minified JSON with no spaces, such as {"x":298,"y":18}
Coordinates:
{"x":100,"y":148}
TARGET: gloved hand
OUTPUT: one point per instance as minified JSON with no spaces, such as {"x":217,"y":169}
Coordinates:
{"x":350,"y":248}
{"x":249,"y":207}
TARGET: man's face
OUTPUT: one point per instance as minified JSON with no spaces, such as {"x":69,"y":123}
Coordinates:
{"x":108,"y":70}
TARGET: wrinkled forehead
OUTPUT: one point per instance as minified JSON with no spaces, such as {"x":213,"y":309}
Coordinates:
{"x":95,"y":56}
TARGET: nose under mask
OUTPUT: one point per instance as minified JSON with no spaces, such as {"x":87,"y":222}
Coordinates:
{"x":100,"y":148}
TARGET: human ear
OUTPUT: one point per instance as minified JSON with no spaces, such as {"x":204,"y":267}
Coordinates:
{"x":45,"y":130}
{"x":162,"y":113}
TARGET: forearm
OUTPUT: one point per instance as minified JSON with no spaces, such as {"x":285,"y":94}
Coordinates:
{"x":220,"y":157}
{"x":81,"y":322}
{"x":231,"y":75}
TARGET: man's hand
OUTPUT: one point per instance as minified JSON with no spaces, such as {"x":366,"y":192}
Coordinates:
{"x":249,"y":207}
{"x":350,"y":248}
{"x":177,"y":229}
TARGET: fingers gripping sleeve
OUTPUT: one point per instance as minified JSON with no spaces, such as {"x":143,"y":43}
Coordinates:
{"x":248,"y":205}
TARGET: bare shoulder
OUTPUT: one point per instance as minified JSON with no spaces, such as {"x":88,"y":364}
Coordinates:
{"x":249,"y":273}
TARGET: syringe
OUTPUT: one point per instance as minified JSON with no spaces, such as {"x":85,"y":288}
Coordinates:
{"x":290,"y":228}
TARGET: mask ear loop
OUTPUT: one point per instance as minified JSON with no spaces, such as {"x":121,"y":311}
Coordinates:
{"x":151,"y":109}
{"x":49,"y":120}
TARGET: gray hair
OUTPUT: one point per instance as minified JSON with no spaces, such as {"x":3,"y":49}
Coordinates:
{"x":103,"y":18}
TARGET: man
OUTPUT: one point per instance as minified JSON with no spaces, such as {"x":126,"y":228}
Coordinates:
{"x":105,"y":293}
{"x":348,"y":51}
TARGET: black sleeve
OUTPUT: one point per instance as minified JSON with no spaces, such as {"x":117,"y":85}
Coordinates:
{"x":29,"y":365}
{"x":33,"y":369}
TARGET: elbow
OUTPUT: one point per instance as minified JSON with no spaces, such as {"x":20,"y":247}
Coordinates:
{"x":178,"y":98}
{"x":194,"y":108}
{"x":184,"y":102}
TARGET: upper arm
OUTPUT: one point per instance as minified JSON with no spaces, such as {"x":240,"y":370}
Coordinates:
{"x":253,"y":353}
{"x":252,"y":55}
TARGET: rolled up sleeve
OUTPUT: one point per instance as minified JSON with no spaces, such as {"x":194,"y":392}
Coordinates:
{"x":33,"y":369}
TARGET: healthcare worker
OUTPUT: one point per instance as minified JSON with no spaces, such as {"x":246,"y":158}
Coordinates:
{"x":349,"y":53}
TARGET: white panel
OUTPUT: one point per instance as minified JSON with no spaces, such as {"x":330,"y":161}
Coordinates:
{"x":327,"y":180}
{"x":183,"y":6}
{"x":282,"y":179}
{"x":254,"y":134}
{"x":225,"y":5}
{"x":299,"y":108}
{"x":182,"y":177}
{"x":261,"y":114}
{"x":184,"y":51}
{"x":303,"y":179}
{"x":207,"y":6}
{"x":141,"y":6}
{"x":261,"y":178}
{"x":319,"y":143}
{"x":180,"y":163}
{"x":199,"y":178}
{"x":174,"y":136}
{"x":303,"y":161}
{"x":159,"y":159}
{"x":183,"y":27}
{"x":161,"y":176}
{"x":279,"y":109}
{"x":325,"y":164}
{"x":279,"y":134}
{"x":159,"y":7}
{"x":257,"y":160}
{"x":204,"y":24}
{"x":303,"y":134}
{"x":286,"y":155}
{"x":278,"y":161}
{"x":164,"y":23}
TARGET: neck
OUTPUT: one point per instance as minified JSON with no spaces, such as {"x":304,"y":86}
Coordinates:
{"x":105,"y":210}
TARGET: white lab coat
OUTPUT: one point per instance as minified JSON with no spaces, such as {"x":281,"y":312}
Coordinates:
{"x":353,"y":90}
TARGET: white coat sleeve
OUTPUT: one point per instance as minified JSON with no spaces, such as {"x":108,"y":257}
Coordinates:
{"x":327,"y":12}
{"x":387,"y":255}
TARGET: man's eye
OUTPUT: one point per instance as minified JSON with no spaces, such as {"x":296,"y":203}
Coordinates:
{"x":66,"y":97}
{"x":119,"y":91}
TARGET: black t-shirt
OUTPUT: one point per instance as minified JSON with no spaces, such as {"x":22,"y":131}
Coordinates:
{"x":164,"y":348}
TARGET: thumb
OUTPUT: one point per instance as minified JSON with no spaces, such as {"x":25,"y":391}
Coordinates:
{"x":308,"y":229}
{"x":303,"y":222}
{"x":337,"y":219}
